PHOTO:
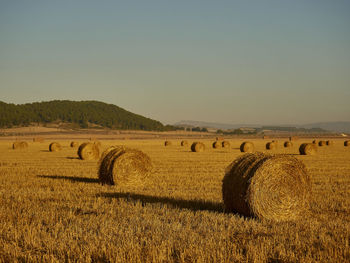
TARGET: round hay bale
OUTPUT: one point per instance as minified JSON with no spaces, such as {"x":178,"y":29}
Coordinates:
{"x":270,"y":187}
{"x":247,"y":147}
{"x":98,"y":144}
{"x":219,"y":138}
{"x":347,"y":143}
{"x":288,"y":144}
{"x":322,"y":143}
{"x":123,"y":165}
{"x":329,"y":143}
{"x":38,"y":139}
{"x":19,"y":145}
{"x":308,"y":149}
{"x":197,"y":147}
{"x":293,"y":138}
{"x":315,"y":142}
{"x":226,"y":144}
{"x":184,"y":143}
{"x":217,"y":144}
{"x":55,"y":147}
{"x":271,"y":145}
{"x":265,"y":137}
{"x":74,"y":144}
{"x":88,"y":151}
{"x":167,"y":143}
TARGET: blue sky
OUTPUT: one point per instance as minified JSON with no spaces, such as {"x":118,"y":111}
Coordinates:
{"x":259,"y":62}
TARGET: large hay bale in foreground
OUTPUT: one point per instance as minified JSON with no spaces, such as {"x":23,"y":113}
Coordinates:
{"x":19,"y":145}
{"x":271,"y":187}
{"x":308,"y":149}
{"x":55,"y":147}
{"x":288,"y":144}
{"x":226,"y":144}
{"x":347,"y":143}
{"x":322,"y":143}
{"x":247,"y":147}
{"x":329,"y":143}
{"x":88,"y":151}
{"x":74,"y":144}
{"x":217,"y":145}
{"x":197,"y":147}
{"x":271,"y":145}
{"x":167,"y":143}
{"x":123,"y":165}
{"x":184,"y":143}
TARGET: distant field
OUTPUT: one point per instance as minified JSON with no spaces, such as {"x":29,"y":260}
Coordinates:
{"x":52,"y":208}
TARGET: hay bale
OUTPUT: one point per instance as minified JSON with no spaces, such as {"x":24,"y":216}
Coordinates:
{"x":226,"y":144}
{"x":329,"y":143}
{"x":293,"y":138}
{"x":74,"y":144}
{"x":247,"y":147}
{"x":347,"y":143}
{"x":121,"y":165}
{"x":315,"y":142}
{"x":19,"y":145}
{"x":288,"y":144}
{"x":184,"y":143}
{"x":322,"y":143}
{"x":55,"y":147}
{"x":38,"y":139}
{"x":265,"y":137}
{"x":167,"y":143}
{"x":219,"y":138}
{"x":98,"y":144}
{"x":271,"y":187}
{"x":271,"y":145}
{"x":197,"y":147}
{"x":308,"y":149}
{"x":217,"y":144}
{"x":88,"y":151}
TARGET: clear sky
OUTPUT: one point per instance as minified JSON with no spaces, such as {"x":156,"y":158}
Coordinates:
{"x":258,"y":62}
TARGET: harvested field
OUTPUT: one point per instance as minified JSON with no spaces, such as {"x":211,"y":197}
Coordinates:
{"x":53,"y":208}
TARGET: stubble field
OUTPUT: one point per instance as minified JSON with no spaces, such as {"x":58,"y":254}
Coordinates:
{"x":53,"y":209}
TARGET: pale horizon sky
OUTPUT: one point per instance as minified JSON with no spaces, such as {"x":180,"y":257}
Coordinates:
{"x":248,"y":62}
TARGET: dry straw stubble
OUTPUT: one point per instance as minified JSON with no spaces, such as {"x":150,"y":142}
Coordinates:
{"x":88,"y":151}
{"x":247,"y":147}
{"x":197,"y":147}
{"x":55,"y":147}
{"x":271,"y":187}
{"x":122,"y":165}
{"x":308,"y":149}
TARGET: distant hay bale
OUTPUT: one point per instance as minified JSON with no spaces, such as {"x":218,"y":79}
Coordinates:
{"x":197,"y":147}
{"x":168,"y":143}
{"x":288,"y":144}
{"x":269,"y":187}
{"x":55,"y":147}
{"x":123,"y":165}
{"x":38,"y":139}
{"x":247,"y":147}
{"x":308,"y":149}
{"x":293,"y":138}
{"x":315,"y":142}
{"x":19,"y":145}
{"x":184,"y":143}
{"x":266,"y":137}
{"x":271,"y":145}
{"x":226,"y":144}
{"x":347,"y":143}
{"x":219,"y":138}
{"x":88,"y":151}
{"x":322,"y":143}
{"x":74,"y":144}
{"x":217,"y":144}
{"x":329,"y":143}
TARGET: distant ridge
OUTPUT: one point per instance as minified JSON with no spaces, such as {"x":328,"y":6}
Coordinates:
{"x":82,"y":114}
{"x":338,"y":126}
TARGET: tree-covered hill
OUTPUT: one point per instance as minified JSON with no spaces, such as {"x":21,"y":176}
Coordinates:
{"x":81,"y":113}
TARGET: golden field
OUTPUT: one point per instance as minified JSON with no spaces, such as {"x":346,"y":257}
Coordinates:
{"x":53,"y":209}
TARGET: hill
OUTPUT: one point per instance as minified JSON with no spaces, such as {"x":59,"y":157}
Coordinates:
{"x":82,"y":114}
